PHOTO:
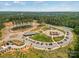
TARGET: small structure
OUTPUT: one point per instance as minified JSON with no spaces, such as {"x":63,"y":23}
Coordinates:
{"x":54,"y":33}
{"x":29,"y":33}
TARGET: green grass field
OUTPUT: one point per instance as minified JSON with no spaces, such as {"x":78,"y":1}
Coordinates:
{"x":58,"y":38}
{"x":42,"y":37}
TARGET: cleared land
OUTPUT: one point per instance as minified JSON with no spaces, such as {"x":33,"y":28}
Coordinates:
{"x":21,"y":27}
{"x":17,"y":42}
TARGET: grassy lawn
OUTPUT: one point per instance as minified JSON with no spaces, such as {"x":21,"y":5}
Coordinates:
{"x":42,"y":37}
{"x":58,"y":38}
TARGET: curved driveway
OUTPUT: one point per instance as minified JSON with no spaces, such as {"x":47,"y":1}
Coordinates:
{"x":52,"y":45}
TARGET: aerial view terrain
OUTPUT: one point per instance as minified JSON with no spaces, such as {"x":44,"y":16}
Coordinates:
{"x":39,"y":31}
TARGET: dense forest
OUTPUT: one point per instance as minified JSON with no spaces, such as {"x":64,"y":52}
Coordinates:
{"x":68,"y":19}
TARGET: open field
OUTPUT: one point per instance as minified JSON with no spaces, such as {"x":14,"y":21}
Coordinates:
{"x":21,"y":27}
{"x":42,"y":37}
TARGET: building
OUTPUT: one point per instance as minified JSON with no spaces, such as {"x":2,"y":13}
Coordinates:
{"x":29,"y":33}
